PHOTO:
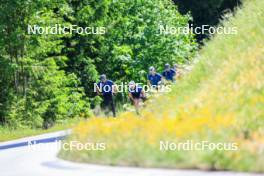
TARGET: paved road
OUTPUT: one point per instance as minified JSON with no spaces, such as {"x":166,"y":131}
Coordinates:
{"x":40,"y":160}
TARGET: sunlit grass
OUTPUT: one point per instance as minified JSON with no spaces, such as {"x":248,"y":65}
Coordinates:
{"x":7,"y":133}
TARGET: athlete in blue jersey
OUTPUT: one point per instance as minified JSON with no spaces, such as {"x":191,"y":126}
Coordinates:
{"x":154,"y":79}
{"x":169,"y":73}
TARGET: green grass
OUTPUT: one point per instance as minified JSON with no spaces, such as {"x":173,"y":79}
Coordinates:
{"x":220,"y":100}
{"x":7,"y":133}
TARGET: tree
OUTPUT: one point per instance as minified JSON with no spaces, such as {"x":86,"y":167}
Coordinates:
{"x":132,"y":41}
{"x":206,"y":12}
{"x":33,"y":88}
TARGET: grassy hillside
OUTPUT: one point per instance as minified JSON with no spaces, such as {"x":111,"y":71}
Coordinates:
{"x":221,"y":101}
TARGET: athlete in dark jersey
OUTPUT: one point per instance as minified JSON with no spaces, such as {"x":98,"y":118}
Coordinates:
{"x":136,"y":94}
{"x":106,"y":89}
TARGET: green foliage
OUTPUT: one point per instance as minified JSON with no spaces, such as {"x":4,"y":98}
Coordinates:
{"x":46,"y":78}
{"x":206,"y":12}
{"x":34,"y":91}
{"x":133,"y":41}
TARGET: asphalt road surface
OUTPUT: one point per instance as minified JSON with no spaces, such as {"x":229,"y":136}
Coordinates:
{"x":17,"y":158}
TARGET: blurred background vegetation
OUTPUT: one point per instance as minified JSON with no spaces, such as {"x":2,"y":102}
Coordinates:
{"x":49,"y":78}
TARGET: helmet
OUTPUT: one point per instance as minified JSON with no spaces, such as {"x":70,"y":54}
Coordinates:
{"x":131,"y":83}
{"x":167,"y":66}
{"x":151,"y":68}
{"x":102,"y":77}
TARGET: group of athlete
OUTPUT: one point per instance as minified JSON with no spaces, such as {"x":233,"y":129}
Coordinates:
{"x":135,"y":92}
